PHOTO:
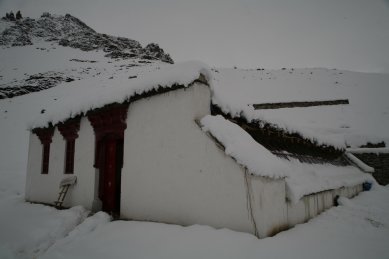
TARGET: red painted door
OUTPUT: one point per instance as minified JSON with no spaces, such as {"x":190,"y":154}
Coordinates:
{"x":109,"y":181}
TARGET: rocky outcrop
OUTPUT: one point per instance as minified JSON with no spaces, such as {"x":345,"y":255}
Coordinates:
{"x":34,"y":83}
{"x":69,"y":31}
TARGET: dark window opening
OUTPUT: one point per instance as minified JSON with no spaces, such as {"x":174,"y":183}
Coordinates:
{"x":45,"y":135}
{"x":69,"y":157}
{"x":45,"y":158}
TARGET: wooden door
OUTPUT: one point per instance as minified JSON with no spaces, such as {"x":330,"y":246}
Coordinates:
{"x":109,"y":179}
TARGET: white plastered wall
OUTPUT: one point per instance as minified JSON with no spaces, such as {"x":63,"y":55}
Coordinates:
{"x":173,"y":172}
{"x":83,"y":192}
{"x":44,"y":188}
{"x":311,"y":205}
{"x":269,"y":204}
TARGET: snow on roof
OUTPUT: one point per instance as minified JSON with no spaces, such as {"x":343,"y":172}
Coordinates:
{"x":301,"y":178}
{"x":243,"y":148}
{"x":356,"y":161}
{"x":78,"y":97}
{"x":364,"y":119}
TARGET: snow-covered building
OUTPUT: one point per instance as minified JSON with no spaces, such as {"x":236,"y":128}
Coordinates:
{"x":147,"y":147}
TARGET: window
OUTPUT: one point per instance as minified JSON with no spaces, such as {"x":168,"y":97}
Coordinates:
{"x":69,"y":157}
{"x":69,"y":131}
{"x":45,"y":158}
{"x":45,"y":135}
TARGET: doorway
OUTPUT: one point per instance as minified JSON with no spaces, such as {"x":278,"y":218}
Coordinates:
{"x":111,"y":155}
{"x":109,"y":124}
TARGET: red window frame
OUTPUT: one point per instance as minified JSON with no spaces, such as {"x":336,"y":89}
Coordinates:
{"x":45,"y":135}
{"x":69,"y":131}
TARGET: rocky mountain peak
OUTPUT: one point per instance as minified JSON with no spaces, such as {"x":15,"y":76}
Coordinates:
{"x":70,"y":31}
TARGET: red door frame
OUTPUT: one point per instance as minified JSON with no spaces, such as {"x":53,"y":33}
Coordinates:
{"x":109,"y":125}
{"x":110,"y":165}
{"x":109,"y":185}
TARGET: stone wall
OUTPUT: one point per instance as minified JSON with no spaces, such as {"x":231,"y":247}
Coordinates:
{"x":380,"y":163}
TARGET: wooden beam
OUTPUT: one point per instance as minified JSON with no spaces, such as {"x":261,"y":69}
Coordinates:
{"x":263,"y":106}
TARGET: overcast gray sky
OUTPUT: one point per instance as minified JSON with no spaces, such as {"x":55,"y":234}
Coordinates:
{"x":344,"y":34}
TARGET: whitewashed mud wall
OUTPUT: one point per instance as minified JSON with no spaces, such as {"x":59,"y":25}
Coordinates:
{"x":44,"y":188}
{"x":173,"y":172}
{"x":268,"y":205}
{"x":84,"y":191}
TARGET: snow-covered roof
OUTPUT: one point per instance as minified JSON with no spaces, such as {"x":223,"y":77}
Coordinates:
{"x":365,"y":119}
{"x":301,"y":178}
{"x":78,"y":97}
{"x":243,"y":148}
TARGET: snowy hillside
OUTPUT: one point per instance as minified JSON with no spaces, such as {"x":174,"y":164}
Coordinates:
{"x":365,"y":119}
{"x":39,"y":54}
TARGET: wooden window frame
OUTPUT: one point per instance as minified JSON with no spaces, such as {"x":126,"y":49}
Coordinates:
{"x":45,"y":135}
{"x":69,"y":130}
{"x":107,"y":120}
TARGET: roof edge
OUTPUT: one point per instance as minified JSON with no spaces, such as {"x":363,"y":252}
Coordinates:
{"x":358,"y":163}
{"x":202,"y":79}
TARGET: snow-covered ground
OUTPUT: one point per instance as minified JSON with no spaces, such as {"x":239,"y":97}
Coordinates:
{"x":358,"y":228}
